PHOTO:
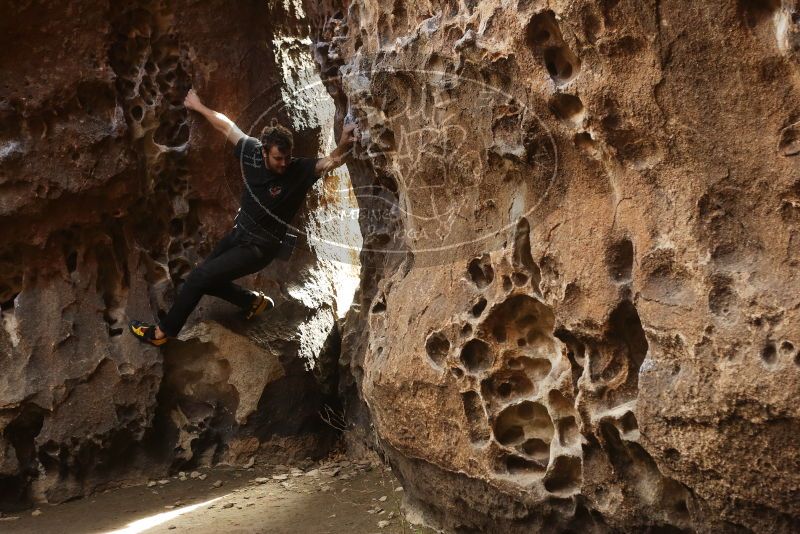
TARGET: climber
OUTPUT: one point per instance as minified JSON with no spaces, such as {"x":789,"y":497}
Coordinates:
{"x":275,"y":184}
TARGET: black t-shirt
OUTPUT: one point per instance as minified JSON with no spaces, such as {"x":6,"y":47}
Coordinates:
{"x":269,"y":200}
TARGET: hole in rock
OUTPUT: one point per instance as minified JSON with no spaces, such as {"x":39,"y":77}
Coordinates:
{"x":380,"y":305}
{"x":565,"y":475}
{"x":179,"y":268}
{"x":536,"y":449}
{"x":769,"y":354}
{"x":754,"y":12}
{"x":525,"y":410}
{"x":789,"y":144}
{"x":628,"y":422}
{"x":480,"y":271}
{"x":674,"y":497}
{"x":511,"y":435}
{"x":521,"y":342}
{"x":681,"y":508}
{"x":176,"y":227}
{"x":586,"y":143}
{"x":478,"y":307}
{"x":507,"y":384}
{"x":507,"y":284}
{"x":175,"y":248}
{"x":172,"y":130}
{"x":457,"y":372}
{"x":625,"y":350}
{"x":567,"y":107}
{"x":8,"y":304}
{"x":522,"y":257}
{"x":559,"y":403}
{"x":542,"y":29}
{"x":532,"y":338}
{"x":21,"y":432}
{"x":576,"y":353}
{"x":521,"y":317}
{"x":437,"y":346}
{"x":388,"y":181}
{"x":523,"y":421}
{"x":561,"y":64}
{"x":466,"y":330}
{"x":535,"y":368}
{"x":787,"y":347}
{"x":619,"y":258}
{"x":567,"y":431}
{"x":513,"y":362}
{"x":476,"y":416}
{"x":631,"y":460}
{"x":721,"y":297}
{"x":137,"y":113}
{"x":520,"y":466}
{"x":476,"y":355}
{"x":499,"y":333}
{"x":72,"y":261}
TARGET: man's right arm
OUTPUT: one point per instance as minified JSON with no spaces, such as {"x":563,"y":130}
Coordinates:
{"x":218,"y":120}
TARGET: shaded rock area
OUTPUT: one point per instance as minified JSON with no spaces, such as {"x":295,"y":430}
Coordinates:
{"x":578,"y":312}
{"x":110,"y":192}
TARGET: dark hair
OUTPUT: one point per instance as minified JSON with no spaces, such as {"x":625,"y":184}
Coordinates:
{"x":277,"y":135}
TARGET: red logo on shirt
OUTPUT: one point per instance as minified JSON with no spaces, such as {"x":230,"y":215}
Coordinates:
{"x":275,"y":190}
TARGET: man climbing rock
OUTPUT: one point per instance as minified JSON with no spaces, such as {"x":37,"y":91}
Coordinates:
{"x":275,"y":185}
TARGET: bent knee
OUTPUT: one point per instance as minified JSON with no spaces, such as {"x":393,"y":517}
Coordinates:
{"x":200,"y":277}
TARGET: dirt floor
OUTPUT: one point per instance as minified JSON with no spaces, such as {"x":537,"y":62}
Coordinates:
{"x":330,"y":497}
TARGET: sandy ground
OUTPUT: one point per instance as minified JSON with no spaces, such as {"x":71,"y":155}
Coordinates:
{"x":330,"y":497}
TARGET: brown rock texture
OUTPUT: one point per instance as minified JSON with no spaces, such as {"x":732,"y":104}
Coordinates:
{"x":110,"y":191}
{"x":579,"y":312}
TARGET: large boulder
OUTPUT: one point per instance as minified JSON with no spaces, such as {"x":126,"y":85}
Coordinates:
{"x":578,"y":304}
{"x":110,"y":192}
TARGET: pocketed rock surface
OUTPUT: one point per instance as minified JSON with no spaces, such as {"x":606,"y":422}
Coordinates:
{"x":580,"y":312}
{"x":110,"y":192}
{"x":578,"y":301}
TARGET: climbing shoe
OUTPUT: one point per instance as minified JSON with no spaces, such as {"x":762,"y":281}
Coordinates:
{"x":145,"y":333}
{"x":260,"y":304}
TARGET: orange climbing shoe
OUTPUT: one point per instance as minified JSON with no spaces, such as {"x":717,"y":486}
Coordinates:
{"x":260,"y":304}
{"x":145,"y":333}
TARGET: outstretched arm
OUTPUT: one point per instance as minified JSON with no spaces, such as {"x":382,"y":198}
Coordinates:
{"x":340,"y":153}
{"x":218,"y":120}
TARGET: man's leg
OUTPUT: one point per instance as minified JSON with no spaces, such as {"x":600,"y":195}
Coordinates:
{"x":234,"y":293}
{"x":214,"y":276}
{"x":228,"y":241}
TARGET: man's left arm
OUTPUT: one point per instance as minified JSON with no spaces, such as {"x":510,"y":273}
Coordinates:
{"x":340,"y":153}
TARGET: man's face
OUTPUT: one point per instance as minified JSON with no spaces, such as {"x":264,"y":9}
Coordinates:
{"x":276,"y":160}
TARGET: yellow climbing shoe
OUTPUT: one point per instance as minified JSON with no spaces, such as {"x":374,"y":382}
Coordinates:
{"x":261,"y":303}
{"x":145,"y":333}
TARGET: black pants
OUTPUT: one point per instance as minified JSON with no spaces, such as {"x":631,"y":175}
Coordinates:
{"x":235,"y":256}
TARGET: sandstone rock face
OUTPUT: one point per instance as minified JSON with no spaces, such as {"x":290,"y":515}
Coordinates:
{"x":578,"y":312}
{"x":110,"y":192}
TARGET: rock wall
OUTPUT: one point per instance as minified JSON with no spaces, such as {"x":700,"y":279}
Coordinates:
{"x":578,"y":307}
{"x":110,"y":191}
